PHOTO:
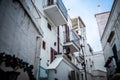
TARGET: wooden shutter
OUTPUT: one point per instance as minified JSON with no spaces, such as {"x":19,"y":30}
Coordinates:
{"x":53,"y":54}
{"x":67,"y":33}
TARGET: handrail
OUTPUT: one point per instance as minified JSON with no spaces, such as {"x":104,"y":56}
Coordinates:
{"x":73,"y":38}
{"x":62,"y":8}
{"x":60,"y":5}
{"x":42,"y":68}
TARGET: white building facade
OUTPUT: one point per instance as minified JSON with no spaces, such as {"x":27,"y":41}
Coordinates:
{"x":110,"y":42}
{"x":95,"y":65}
{"x":20,"y":40}
{"x":41,"y":33}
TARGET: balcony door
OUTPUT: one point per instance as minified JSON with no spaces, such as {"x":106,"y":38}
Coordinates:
{"x":50,"y":2}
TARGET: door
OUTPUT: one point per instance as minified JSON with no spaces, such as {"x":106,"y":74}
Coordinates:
{"x":114,"y":49}
{"x":50,"y":2}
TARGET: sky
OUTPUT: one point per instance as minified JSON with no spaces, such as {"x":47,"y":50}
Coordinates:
{"x":87,"y":9}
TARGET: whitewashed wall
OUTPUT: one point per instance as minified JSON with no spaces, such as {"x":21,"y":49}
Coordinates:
{"x":19,"y":34}
{"x":101,"y":21}
{"x":107,"y":48}
{"x":62,"y":72}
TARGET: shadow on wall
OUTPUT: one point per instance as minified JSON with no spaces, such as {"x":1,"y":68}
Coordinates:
{"x":13,"y":68}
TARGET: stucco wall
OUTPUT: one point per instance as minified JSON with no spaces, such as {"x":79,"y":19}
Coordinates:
{"x":62,"y":72}
{"x":101,"y":21}
{"x":99,"y":61}
{"x":111,"y":26}
{"x":50,"y":36}
{"x":17,"y":32}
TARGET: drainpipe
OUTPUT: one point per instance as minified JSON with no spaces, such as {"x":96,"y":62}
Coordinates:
{"x":84,"y":62}
{"x":38,"y":78}
{"x":58,"y":39}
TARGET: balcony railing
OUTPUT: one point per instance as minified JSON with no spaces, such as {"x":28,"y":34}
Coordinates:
{"x":62,"y":8}
{"x":59,"y":6}
{"x":73,"y":38}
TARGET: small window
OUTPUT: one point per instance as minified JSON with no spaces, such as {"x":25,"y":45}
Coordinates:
{"x":91,"y":66}
{"x":111,"y":36}
{"x":89,"y":59}
{"x":92,"y":62}
{"x":49,"y":26}
{"x":44,"y":45}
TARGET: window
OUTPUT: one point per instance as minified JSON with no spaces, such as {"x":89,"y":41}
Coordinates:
{"x":53,"y":54}
{"x":49,"y":26}
{"x":50,"y":2}
{"x":111,"y":36}
{"x":44,"y":45}
{"x":92,"y":62}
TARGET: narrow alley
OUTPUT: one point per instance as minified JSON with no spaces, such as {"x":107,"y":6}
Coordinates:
{"x":54,"y":40}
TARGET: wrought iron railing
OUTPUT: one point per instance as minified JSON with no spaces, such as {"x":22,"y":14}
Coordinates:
{"x":60,"y":5}
{"x":73,"y":38}
{"x":62,"y":8}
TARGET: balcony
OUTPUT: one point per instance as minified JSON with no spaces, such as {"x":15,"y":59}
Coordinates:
{"x":56,"y":11}
{"x":73,"y":42}
{"x":77,"y":23}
